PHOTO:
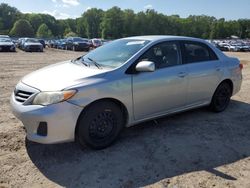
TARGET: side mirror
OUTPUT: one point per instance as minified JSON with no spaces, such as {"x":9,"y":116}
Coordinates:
{"x":145,"y":66}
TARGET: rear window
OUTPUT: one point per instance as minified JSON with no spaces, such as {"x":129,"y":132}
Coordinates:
{"x":198,"y":52}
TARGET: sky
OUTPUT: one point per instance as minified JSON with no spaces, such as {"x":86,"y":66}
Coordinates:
{"x":61,"y":9}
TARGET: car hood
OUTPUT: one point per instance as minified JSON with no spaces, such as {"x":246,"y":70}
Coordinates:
{"x":6,"y":43}
{"x":61,"y":75}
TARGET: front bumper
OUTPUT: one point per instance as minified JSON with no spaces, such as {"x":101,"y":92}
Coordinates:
{"x":33,"y":48}
{"x":7,"y":48}
{"x":82,"y":47}
{"x":61,"y":119}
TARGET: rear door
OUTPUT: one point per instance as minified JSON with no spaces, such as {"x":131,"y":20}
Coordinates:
{"x":164,"y":89}
{"x":204,"y":71}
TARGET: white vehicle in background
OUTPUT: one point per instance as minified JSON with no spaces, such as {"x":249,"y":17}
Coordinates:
{"x":31,"y":45}
{"x":234,"y":47}
{"x":6,"y":45}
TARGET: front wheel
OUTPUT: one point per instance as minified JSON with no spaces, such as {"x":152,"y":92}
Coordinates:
{"x":221,"y":97}
{"x":100,"y":125}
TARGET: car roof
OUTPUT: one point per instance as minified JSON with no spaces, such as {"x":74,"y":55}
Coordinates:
{"x":162,"y":37}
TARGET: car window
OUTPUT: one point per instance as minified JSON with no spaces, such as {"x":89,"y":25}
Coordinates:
{"x":32,"y":40}
{"x":163,"y":55}
{"x":198,"y":52}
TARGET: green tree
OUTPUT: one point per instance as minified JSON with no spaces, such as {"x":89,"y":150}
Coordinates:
{"x":81,"y":27}
{"x":244,"y":28}
{"x":1,"y":24}
{"x":218,"y":30}
{"x":34,"y":19}
{"x":112,"y":23}
{"x":116,"y":23}
{"x":44,"y":32}
{"x":93,"y":19}
{"x":67,"y":31}
{"x":9,"y":15}
{"x":140,"y":23}
{"x":71,"y":34}
{"x":71,"y":23}
{"x":51,"y":22}
{"x":129,"y":23}
{"x":22,"y":28}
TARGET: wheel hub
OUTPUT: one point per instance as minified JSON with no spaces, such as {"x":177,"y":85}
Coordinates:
{"x":102,"y":125}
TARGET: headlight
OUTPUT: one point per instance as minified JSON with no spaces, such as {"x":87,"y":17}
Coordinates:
{"x":51,"y":97}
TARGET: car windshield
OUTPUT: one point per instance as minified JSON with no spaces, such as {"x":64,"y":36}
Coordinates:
{"x":80,"y":40}
{"x":5,"y":40}
{"x":115,"y":53}
{"x":97,"y":41}
{"x":31,"y":40}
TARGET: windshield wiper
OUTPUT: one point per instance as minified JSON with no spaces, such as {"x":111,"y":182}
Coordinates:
{"x":95,"y":63}
{"x":82,"y":61}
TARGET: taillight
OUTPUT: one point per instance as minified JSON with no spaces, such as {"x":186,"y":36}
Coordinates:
{"x":241,"y":66}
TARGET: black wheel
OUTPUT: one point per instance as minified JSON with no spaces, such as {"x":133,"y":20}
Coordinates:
{"x":221,"y":97}
{"x":100,"y":124}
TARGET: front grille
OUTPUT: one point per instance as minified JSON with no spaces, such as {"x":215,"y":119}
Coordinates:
{"x":5,"y":48}
{"x":34,"y":47}
{"x":83,"y":45}
{"x":22,"y":96}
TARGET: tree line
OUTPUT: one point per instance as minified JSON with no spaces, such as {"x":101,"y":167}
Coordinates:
{"x":116,"y":23}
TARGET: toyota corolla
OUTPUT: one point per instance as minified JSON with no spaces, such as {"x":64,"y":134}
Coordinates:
{"x":92,"y":98}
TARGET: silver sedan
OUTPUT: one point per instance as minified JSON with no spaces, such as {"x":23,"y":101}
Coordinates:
{"x":92,"y":98}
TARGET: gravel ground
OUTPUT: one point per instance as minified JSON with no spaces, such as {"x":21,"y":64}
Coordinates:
{"x":192,"y":149}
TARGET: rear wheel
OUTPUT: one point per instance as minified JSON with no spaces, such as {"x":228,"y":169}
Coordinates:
{"x":100,"y":125}
{"x":221,"y":97}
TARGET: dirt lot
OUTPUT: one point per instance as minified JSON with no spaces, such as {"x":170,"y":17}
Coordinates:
{"x":192,"y":149}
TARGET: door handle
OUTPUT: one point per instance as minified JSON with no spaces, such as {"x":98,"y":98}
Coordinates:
{"x":182,"y":74}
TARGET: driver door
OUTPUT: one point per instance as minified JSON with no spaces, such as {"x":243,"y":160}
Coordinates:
{"x":165,"y":89}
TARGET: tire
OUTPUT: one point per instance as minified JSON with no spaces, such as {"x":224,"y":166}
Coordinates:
{"x":221,"y":97}
{"x":100,"y":125}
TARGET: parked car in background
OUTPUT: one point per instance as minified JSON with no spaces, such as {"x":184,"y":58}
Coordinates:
{"x":51,"y":43}
{"x":95,"y":43}
{"x":77,"y":44}
{"x":42,"y":42}
{"x":105,"y":41}
{"x":56,"y":43}
{"x":91,"y":98}
{"x":19,"y":43}
{"x":6,"y":45}
{"x":234,"y":45}
{"x":31,"y":45}
{"x":61,"y":44}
